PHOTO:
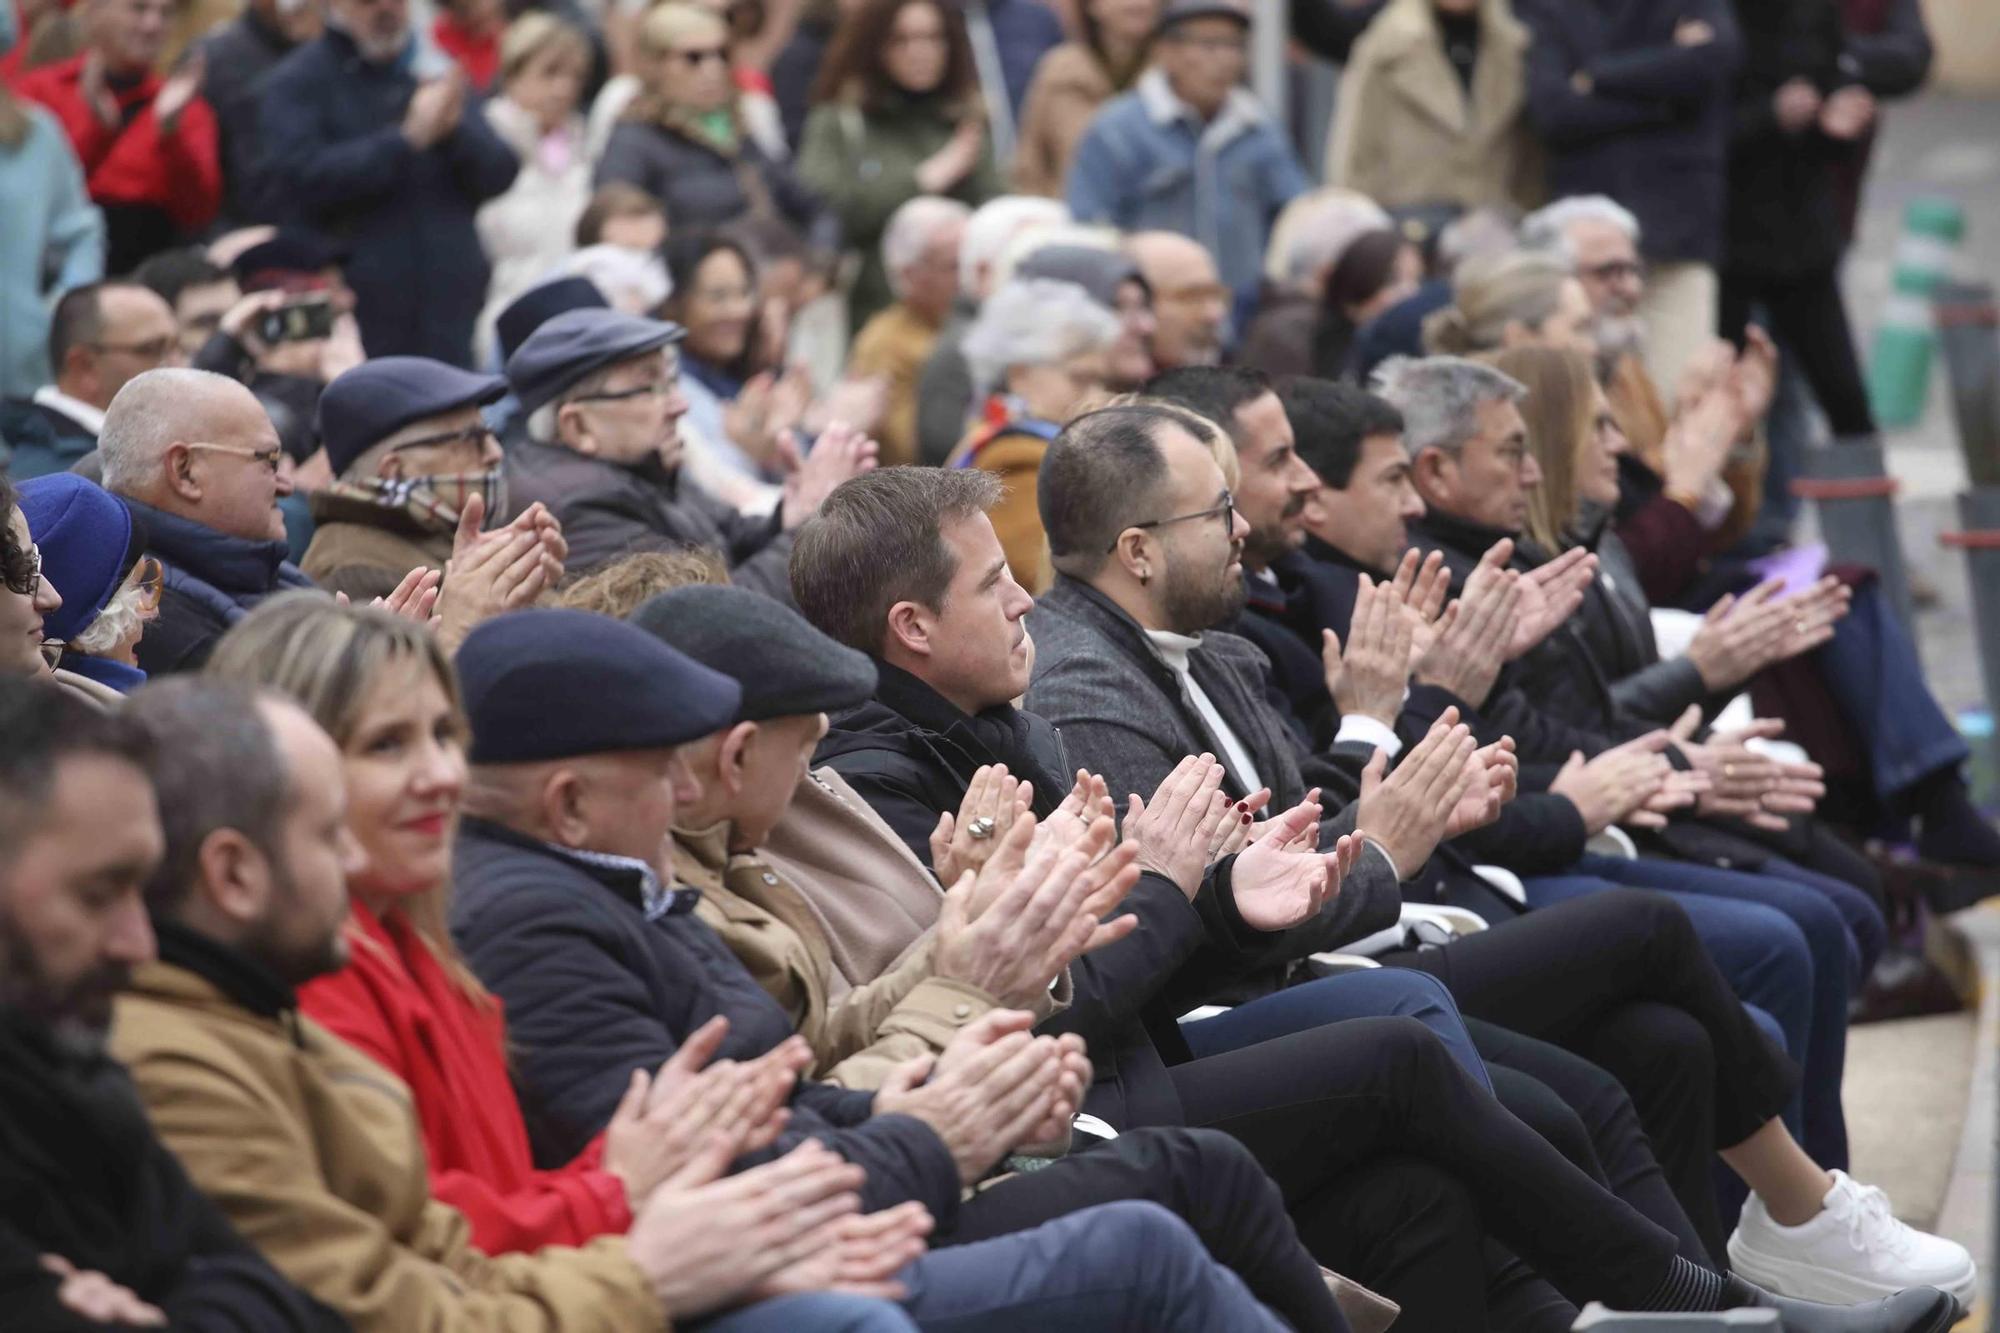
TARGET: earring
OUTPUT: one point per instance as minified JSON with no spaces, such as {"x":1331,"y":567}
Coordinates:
{"x":1145,"y":577}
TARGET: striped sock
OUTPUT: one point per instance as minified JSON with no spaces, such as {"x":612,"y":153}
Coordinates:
{"x":1686,"y":1286}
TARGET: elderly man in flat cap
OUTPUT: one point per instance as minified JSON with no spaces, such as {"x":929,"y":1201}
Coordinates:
{"x":602,"y":393}
{"x":603,"y":966}
{"x":416,"y":472}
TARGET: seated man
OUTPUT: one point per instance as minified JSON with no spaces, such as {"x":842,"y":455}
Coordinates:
{"x":413,"y":463}
{"x":560,"y":909}
{"x":601,"y":391}
{"x":920,"y":256}
{"x":98,"y":1221}
{"x":100,"y":337}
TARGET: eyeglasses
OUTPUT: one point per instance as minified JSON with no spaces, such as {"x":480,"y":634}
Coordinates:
{"x":1226,"y":511}
{"x":1617,"y":270}
{"x":23,"y":573}
{"x":654,"y":389}
{"x":149,"y":576}
{"x":476,"y":436}
{"x":153,"y":349}
{"x":696,"y":59}
{"x":270,"y":458}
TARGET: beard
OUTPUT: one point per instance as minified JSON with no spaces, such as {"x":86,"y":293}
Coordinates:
{"x":278,"y":950}
{"x":82,"y":1002}
{"x":1618,"y":336}
{"x":1266,"y":542}
{"x":1199,"y":600}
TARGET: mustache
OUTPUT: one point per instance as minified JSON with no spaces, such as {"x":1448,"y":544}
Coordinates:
{"x":1296,"y":505}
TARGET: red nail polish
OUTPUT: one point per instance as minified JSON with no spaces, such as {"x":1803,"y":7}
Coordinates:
{"x":1246,"y":819}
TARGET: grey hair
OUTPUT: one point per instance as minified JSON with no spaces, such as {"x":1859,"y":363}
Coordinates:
{"x":1315,"y":229}
{"x":542,"y":421}
{"x":996,"y":222}
{"x":120,"y":616}
{"x":1547,"y":228}
{"x":1439,"y":397}
{"x":1034,"y":322}
{"x":154,"y":409}
{"x":910,"y":230}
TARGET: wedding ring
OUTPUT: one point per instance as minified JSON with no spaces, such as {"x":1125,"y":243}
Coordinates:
{"x":980,"y":829}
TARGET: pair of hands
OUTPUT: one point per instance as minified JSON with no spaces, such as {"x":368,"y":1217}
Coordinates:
{"x":1740,"y":636}
{"x":1631,"y":783}
{"x":1746,"y":785}
{"x":1844,"y":114}
{"x":840,"y":453}
{"x":177,"y":90}
{"x":1447,"y":785}
{"x":434,"y":110}
{"x":1721,"y":397}
{"x":489,"y":573}
{"x":1500,"y":615}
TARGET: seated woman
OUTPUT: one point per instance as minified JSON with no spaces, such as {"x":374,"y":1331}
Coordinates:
{"x":93,"y":545}
{"x":1038,"y":349}
{"x":27,"y":597}
{"x":682,"y":140}
{"x":1377,"y":270}
{"x":897,"y":115}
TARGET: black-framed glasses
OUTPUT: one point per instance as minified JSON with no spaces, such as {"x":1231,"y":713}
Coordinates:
{"x":23,"y":572}
{"x":476,"y":436}
{"x":153,"y":349}
{"x":1225,"y":510}
{"x":656,"y":389}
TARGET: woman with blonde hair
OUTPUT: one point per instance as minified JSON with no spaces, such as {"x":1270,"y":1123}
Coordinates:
{"x":384,"y":690}
{"x":1512,"y":299}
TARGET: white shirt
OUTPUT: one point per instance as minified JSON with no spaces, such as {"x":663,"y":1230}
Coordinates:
{"x":82,"y":413}
{"x":1173,"y":649}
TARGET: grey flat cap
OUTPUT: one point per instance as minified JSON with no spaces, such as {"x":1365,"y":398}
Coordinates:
{"x":785,"y":666}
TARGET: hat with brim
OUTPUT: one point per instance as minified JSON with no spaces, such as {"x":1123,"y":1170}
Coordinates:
{"x":1178,"y":12}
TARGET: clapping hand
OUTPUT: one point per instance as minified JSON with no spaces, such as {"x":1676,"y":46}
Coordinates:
{"x":1409,"y":811}
{"x":1177,"y":829}
{"x":992,"y":1087}
{"x":503,"y":570}
{"x":1472,"y":640}
{"x":1282,"y":878}
{"x":861,"y":1256}
{"x":840,"y":453}
{"x":1550,"y":595}
{"x":1369,"y":676}
{"x":993,"y":800}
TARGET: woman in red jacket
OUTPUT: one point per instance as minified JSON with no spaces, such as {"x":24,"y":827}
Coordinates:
{"x":385,"y":692}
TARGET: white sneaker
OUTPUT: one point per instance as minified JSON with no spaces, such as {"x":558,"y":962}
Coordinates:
{"x":1855,"y":1250}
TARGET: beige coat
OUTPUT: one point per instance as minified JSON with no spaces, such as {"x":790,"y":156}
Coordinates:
{"x":1069,"y":85}
{"x":770,"y":914}
{"x":313,"y":1152}
{"x":1405,"y":132}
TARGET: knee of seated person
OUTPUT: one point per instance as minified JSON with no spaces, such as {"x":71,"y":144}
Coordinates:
{"x":1400,"y":990}
{"x":1140,"y":1229}
{"x":1406,"y":1041}
{"x":1666,"y":920}
{"x":1676,"y":1041}
{"x":1410,"y":1187}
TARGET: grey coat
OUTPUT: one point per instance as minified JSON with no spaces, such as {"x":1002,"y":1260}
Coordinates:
{"x":1122,"y":715}
{"x":701,"y":188}
{"x":608,"y":511}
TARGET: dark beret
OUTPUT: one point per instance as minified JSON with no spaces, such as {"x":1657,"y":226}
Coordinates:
{"x":538,"y":305}
{"x":292,"y":250}
{"x":575,"y":343}
{"x":785,"y":666}
{"x":555,"y":684}
{"x":365,"y":405}
{"x":1099,"y":272}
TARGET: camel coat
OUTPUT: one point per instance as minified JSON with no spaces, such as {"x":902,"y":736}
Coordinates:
{"x":1069,"y":85}
{"x":1405,"y":132}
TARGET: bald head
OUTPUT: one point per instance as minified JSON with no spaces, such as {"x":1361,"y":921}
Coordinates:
{"x":199,"y":446}
{"x":1190,"y":302}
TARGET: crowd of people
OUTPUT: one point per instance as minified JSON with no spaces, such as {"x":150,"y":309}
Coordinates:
{"x":758,"y":665}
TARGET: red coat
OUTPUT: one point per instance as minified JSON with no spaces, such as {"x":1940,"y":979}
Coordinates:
{"x":478,"y":56}
{"x":396,"y":1003}
{"x":135,"y":163}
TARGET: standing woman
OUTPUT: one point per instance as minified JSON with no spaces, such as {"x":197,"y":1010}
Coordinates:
{"x":682,"y":138}
{"x":897,"y":114}
{"x":1073,"y":81}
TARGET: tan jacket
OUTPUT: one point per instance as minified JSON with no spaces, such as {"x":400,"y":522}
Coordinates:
{"x":1069,"y":85}
{"x":896,"y":344}
{"x":1404,"y":131}
{"x":366,"y":555}
{"x":313,"y":1152}
{"x":1016,"y":458}
{"x":765,"y":912}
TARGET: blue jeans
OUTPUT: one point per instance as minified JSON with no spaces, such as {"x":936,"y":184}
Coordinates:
{"x":1376,"y":992}
{"x":1127,"y":1266}
{"x":1871,"y":668}
{"x":815,"y":1312}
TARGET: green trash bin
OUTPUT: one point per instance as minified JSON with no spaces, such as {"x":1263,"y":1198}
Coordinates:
{"x":1899,"y":366}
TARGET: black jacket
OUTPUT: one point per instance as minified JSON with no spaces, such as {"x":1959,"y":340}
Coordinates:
{"x":241,"y":54}
{"x":608,"y":510}
{"x":83,"y":1176}
{"x":212,"y":581}
{"x":1653,"y":131}
{"x":331,"y":130}
{"x":596,"y":985}
{"x":699,"y":187}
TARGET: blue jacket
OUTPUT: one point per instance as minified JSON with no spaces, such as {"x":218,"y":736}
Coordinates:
{"x":52,"y":240}
{"x":596,"y":985}
{"x":331,"y":132}
{"x":212,"y":581}
{"x":1145,"y":164}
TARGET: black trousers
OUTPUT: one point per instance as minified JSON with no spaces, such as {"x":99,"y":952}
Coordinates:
{"x":1810,"y":319}
{"x":1208,"y":1179}
{"x":1620,"y":979}
{"x":1317,"y":1107}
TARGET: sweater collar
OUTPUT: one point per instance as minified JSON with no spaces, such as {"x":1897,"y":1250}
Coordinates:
{"x":233,"y":564}
{"x":241,"y":979}
{"x":1460,"y":534}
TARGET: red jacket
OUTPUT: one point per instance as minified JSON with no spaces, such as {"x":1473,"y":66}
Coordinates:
{"x":395,"y":1002}
{"x":135,"y":163}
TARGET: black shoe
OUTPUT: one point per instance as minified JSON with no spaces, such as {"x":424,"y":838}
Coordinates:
{"x":1918,"y":1310}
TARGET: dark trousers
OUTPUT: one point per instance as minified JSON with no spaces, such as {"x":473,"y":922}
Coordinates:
{"x":1207,"y":1179}
{"x":1809,"y":318}
{"x":1621,"y":979}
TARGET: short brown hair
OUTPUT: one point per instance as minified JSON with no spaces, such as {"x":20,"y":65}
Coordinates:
{"x":879,"y":540}
{"x":617,"y":589}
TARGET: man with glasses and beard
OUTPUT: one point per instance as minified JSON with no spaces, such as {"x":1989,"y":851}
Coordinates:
{"x":98,"y":1223}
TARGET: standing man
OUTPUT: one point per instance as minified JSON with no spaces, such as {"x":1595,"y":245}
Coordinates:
{"x":1190,"y":151}
{"x":363,"y":140}
{"x":240,"y":55}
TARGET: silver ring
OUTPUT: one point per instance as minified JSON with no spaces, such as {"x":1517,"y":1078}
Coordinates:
{"x":980,"y":828}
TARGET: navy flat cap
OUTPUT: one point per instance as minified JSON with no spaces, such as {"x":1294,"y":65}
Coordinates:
{"x":538,"y":305}
{"x":573,"y":344}
{"x":292,"y":250}
{"x":367,"y":404}
{"x":785,"y":666}
{"x":555,"y":684}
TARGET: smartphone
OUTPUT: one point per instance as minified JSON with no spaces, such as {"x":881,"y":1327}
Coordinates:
{"x":300,"y":321}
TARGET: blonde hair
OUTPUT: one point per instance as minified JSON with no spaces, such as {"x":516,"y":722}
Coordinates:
{"x":330,"y":659}
{"x":1561,"y":413}
{"x":618,"y":589}
{"x":534,"y":33}
{"x":1489,"y":292}
{"x":666,"y":26}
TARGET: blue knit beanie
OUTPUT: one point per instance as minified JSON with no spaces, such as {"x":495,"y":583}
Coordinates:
{"x":89,"y":544}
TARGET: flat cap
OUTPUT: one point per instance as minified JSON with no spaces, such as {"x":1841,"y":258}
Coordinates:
{"x":367,"y":404}
{"x":575,"y":343}
{"x":785,"y":667}
{"x":1180,"y":11}
{"x":556,"y":684}
{"x":538,"y":305}
{"x":291,"y":250}
{"x":1099,"y":272}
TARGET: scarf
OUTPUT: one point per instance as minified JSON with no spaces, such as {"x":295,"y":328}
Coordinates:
{"x":432,"y":504}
